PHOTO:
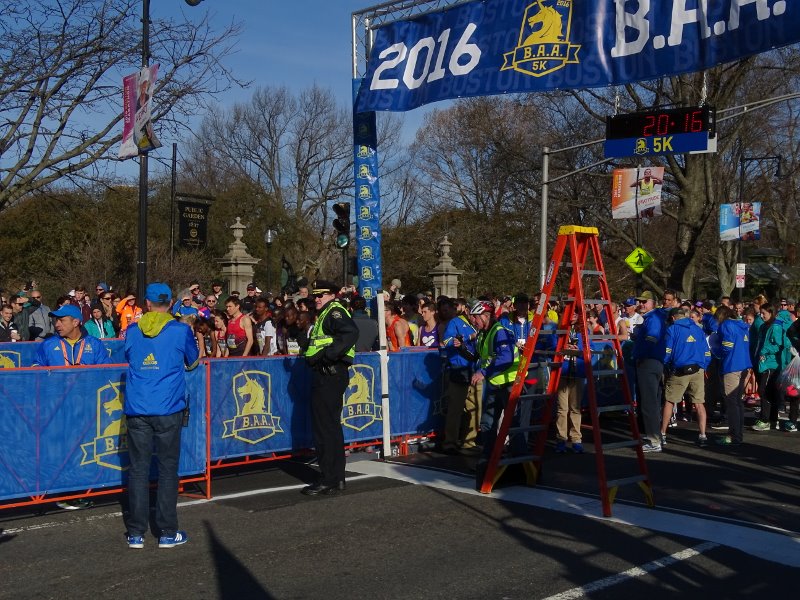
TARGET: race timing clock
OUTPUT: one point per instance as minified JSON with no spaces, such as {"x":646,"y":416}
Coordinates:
{"x":662,"y":122}
{"x":661,"y":131}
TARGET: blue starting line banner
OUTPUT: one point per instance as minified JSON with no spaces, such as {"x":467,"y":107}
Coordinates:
{"x":492,"y":47}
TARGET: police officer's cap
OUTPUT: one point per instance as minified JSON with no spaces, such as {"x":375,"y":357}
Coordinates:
{"x":322,"y":286}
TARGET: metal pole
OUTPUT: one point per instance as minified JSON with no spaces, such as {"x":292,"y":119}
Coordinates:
{"x":173,"y":192}
{"x":639,"y":276}
{"x":543,"y":234}
{"x":344,"y":267}
{"x":269,"y":269}
{"x":141,"y":261}
{"x":740,"y":291}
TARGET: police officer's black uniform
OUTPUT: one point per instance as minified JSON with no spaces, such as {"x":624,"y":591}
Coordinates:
{"x":330,"y":354}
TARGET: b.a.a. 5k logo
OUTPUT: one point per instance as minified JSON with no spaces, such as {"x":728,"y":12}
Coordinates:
{"x":109,"y":448}
{"x":360,"y":410}
{"x":254,"y":421}
{"x":544,"y":44}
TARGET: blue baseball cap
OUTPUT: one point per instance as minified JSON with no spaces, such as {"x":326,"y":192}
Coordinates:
{"x":158,"y":292}
{"x":68,"y":310}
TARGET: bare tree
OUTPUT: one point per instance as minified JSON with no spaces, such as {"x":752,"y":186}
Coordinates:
{"x":61,"y":68}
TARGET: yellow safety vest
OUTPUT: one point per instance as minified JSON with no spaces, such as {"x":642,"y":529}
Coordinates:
{"x":318,"y":339}
{"x":486,"y":354}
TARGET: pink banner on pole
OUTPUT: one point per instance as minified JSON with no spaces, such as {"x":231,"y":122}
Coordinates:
{"x":137,"y":130}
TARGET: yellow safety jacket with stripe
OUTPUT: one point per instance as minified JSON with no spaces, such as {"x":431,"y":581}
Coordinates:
{"x":486,"y":354}
{"x":319,"y":340}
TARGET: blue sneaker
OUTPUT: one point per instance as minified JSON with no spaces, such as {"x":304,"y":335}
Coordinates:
{"x":170,"y":541}
{"x":561,"y":447}
{"x":135,"y":541}
{"x":577,"y":447}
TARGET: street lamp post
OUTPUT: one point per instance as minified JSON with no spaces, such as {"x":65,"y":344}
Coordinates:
{"x":141,"y":256}
{"x":269,"y":237}
{"x":743,"y":160}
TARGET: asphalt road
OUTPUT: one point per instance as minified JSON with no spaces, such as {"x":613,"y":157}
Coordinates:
{"x":725,"y":526}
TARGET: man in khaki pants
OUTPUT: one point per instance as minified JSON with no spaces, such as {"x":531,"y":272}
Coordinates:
{"x":687,"y":356}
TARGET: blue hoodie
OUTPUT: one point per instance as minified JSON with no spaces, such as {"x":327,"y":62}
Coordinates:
{"x":648,"y":338}
{"x":158,"y":349}
{"x":686,"y":345}
{"x":734,"y":346}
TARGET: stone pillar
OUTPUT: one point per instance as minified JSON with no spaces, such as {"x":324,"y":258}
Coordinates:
{"x":237,"y":264}
{"x":444,"y":274}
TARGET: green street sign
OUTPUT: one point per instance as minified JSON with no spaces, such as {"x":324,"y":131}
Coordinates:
{"x":638,"y":260}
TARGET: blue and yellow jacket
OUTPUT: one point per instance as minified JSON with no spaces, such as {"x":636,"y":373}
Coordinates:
{"x":685,"y":345}
{"x":734,"y":345}
{"x":158,"y":349}
{"x":649,"y":337}
{"x":458,"y":326}
{"x":58,"y":352}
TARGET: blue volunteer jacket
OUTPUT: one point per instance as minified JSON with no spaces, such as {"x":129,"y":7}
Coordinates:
{"x":734,"y":345}
{"x":709,"y":323}
{"x":57,"y":352}
{"x":686,"y":345}
{"x":648,"y":338}
{"x":158,"y":350}
{"x":458,"y":326}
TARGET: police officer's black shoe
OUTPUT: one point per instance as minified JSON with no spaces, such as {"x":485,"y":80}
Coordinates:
{"x":320,"y":488}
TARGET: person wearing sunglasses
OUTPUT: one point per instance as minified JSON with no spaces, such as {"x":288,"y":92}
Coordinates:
{"x":39,"y":323}
{"x":649,"y":350}
{"x":20,"y":304}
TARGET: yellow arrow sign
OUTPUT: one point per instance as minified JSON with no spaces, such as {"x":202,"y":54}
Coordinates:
{"x":638,"y":260}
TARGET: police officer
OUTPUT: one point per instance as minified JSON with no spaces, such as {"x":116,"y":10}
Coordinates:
{"x":330,"y":353}
{"x":498,"y":360}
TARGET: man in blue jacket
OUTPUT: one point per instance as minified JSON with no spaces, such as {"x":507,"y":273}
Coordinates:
{"x":71,"y":346}
{"x":463,"y":398}
{"x":158,"y":349}
{"x":686,"y":356}
{"x":732,"y":347}
{"x":648,"y":352}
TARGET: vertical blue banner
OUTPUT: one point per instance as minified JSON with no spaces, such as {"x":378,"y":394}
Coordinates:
{"x":368,"y":201}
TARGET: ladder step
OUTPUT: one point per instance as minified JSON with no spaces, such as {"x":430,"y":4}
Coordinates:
{"x":612,"y":483}
{"x":613,"y":408}
{"x":542,"y":363}
{"x":515,"y":460}
{"x":596,"y":302}
{"x":607,"y":372}
{"x":592,"y":273}
{"x":535,"y":396}
{"x":525,"y":429}
{"x":625,"y":444}
{"x":607,"y":337}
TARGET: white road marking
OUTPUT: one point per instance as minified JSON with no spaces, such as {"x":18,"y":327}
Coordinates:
{"x":600,"y":584}
{"x":118,"y":514}
{"x":780,"y":546}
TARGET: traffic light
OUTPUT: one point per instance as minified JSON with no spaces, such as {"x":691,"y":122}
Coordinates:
{"x":342,"y":224}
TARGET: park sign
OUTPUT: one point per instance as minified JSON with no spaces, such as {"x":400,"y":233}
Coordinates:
{"x":489,"y":47}
{"x":638,"y":260}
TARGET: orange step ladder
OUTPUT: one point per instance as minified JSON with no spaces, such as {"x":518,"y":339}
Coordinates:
{"x":582,"y":244}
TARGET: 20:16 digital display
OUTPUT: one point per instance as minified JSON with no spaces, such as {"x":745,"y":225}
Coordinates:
{"x":674,"y":121}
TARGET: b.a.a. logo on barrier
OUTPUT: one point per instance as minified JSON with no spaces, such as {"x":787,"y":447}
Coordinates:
{"x":254,"y":421}
{"x":109,"y":448}
{"x":360,"y":410}
{"x":10,"y":359}
{"x":544,"y":39}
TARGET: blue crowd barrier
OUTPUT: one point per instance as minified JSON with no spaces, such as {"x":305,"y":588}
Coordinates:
{"x":63,"y":430}
{"x":23,"y":354}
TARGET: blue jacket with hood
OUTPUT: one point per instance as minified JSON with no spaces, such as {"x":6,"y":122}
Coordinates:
{"x":686,"y":345}
{"x":158,"y":350}
{"x":55,"y":351}
{"x":734,"y":345}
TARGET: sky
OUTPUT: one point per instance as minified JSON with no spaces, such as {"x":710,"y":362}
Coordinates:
{"x":296,"y":43}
